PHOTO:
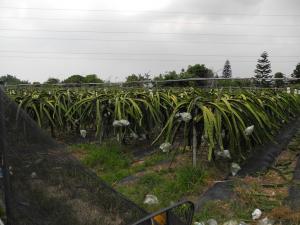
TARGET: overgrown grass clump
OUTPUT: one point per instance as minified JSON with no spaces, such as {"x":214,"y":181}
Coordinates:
{"x":108,"y":156}
{"x":168,"y":185}
{"x":108,"y":160}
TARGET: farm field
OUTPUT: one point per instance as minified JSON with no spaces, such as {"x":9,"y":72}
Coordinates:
{"x":267,"y":191}
{"x":221,"y":119}
{"x":173,"y":144}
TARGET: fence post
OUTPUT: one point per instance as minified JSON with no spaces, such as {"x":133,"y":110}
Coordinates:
{"x":4,"y":164}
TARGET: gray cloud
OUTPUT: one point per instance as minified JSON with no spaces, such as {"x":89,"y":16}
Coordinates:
{"x":169,"y":34}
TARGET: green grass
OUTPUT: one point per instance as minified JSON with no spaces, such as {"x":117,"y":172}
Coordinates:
{"x":168,"y":185}
{"x":112,"y":164}
{"x":108,"y":156}
{"x":156,"y":158}
{"x":248,"y":196}
{"x":108,"y":160}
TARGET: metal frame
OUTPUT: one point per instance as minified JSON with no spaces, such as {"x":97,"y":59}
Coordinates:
{"x":4,"y":165}
{"x":166,"y":210}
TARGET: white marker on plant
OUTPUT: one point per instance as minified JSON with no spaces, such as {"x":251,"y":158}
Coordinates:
{"x":224,"y":154}
{"x":151,"y":200}
{"x":249,"y":130}
{"x":83,"y":133}
{"x":165,"y":147}
{"x":256,"y":214}
{"x":185,"y":116}
{"x":235,"y":168}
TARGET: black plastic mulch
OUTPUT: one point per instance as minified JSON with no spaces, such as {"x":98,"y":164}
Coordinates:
{"x":263,"y":158}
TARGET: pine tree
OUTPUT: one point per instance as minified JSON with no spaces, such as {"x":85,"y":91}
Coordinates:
{"x":263,"y":68}
{"x":227,"y":72}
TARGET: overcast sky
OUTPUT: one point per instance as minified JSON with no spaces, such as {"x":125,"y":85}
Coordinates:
{"x":114,"y":38}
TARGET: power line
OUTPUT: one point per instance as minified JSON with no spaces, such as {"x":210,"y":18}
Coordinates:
{"x":148,"y":41}
{"x":153,"y":11}
{"x":202,"y":35}
{"x":138,"y":59}
{"x":117,"y":21}
{"x":142,"y":54}
{"x":150,"y":21}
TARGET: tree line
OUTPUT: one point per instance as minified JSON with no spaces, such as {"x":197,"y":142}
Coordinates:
{"x":262,"y":74}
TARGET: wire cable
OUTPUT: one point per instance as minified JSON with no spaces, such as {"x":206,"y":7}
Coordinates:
{"x":142,"y":54}
{"x":137,"y":59}
{"x":150,"y":21}
{"x":152,"y":11}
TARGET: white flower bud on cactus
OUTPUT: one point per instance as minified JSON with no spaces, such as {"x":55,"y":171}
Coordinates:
{"x":165,"y":147}
{"x":83,"y":133}
{"x":235,"y":168}
{"x":185,"y":116}
{"x":249,"y":130}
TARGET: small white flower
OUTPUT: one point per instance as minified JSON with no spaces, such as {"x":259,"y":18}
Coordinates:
{"x":288,"y":90}
{"x":224,"y":154}
{"x":249,"y":130}
{"x":295,"y":91}
{"x":10,"y":169}
{"x":83,"y":133}
{"x":124,"y":123}
{"x":256,"y":214}
{"x":134,"y":135}
{"x":165,"y":147}
{"x":235,"y":168}
{"x":199,"y":223}
{"x":121,"y":123}
{"x":117,"y":123}
{"x":151,"y":200}
{"x":185,"y":116}
{"x":212,"y":222}
{"x":33,"y":175}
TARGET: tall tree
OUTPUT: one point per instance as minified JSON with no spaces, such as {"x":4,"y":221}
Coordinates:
{"x":296,"y":73}
{"x":227,"y":72}
{"x":12,"y":80}
{"x":279,"y":83}
{"x":199,"y":71}
{"x":92,"y":78}
{"x":263,"y":68}
{"x":74,"y":79}
{"x":134,"y":78}
{"x":52,"y":80}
